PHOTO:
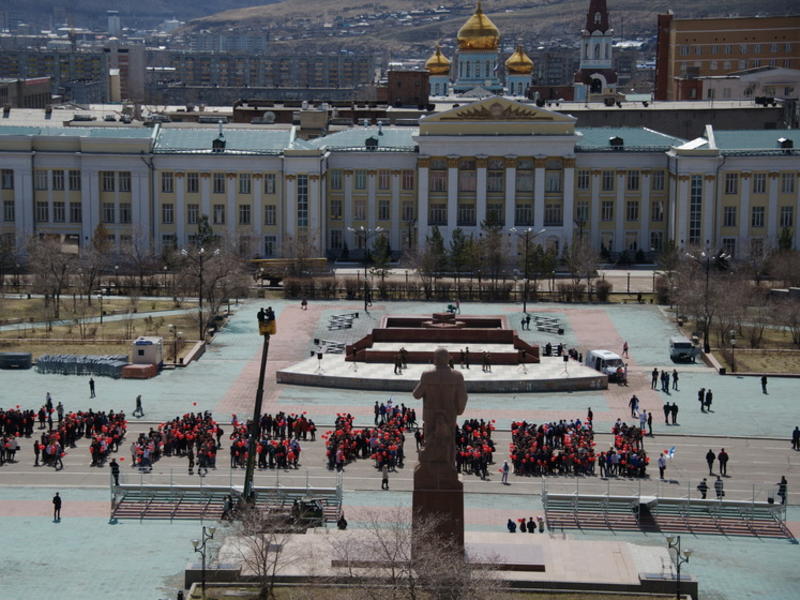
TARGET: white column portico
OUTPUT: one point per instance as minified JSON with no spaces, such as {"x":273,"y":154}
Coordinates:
{"x":180,"y":209}
{"x":772,"y":211}
{"x":644,"y":212}
{"x":538,"y":194}
{"x":394,"y":212}
{"x":232,"y":216}
{"x":23,"y":204}
{"x":594,"y":211}
{"x":205,"y":194}
{"x":372,"y":202}
{"x":511,"y":191}
{"x":709,"y":236}
{"x":290,"y":202}
{"x":422,"y":205}
{"x":797,"y":217}
{"x":349,"y":240}
{"x":619,"y":213}
{"x":87,"y":225}
{"x":314,"y":211}
{"x":682,"y":205}
{"x":480,"y":191}
{"x":258,"y":209}
{"x":452,"y":196}
{"x":744,"y":215}
{"x":568,"y":212}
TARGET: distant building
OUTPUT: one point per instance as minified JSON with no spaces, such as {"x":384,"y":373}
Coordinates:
{"x":25,"y":93}
{"x":596,"y":77}
{"x":112,"y":22}
{"x":761,"y":82}
{"x":708,"y":47}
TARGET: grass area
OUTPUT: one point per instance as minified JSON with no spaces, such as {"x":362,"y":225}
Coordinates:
{"x":17,"y":308}
{"x":761,"y":361}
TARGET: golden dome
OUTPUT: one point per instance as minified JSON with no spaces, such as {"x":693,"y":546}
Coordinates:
{"x":519,"y":63}
{"x":438,"y":63}
{"x":478,"y":33}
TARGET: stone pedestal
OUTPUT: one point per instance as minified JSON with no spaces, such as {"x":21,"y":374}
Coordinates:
{"x":439,"y":499}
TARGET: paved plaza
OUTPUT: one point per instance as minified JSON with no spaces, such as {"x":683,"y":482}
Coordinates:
{"x":146,"y":560}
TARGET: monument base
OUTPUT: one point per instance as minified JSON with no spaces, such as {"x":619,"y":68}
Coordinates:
{"x":441,"y":510}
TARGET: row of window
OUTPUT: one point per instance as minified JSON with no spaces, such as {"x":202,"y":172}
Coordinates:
{"x":218,"y":183}
{"x":42,"y":214}
{"x":632,"y":180}
{"x":757,"y":216}
{"x":727,"y":49}
{"x":384,"y":180}
{"x":742,"y":64}
{"x":759,"y":183}
{"x":56,"y":180}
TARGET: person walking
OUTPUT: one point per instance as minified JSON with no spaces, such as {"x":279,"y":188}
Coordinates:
{"x":385,"y":477}
{"x":504,"y":471}
{"x":57,"y":508}
{"x":782,"y":485}
{"x":675,"y":379}
{"x":796,"y":438}
{"x":650,"y":423}
{"x":710,"y":458}
{"x":763,"y":384}
{"x":719,"y":488}
{"x":654,"y":379}
{"x":511,"y":526}
{"x":138,"y":412}
{"x":91,"y":387}
{"x":642,"y":420}
{"x":466,"y":357}
{"x":703,"y":488}
{"x":662,"y":465}
{"x":674,"y":413}
{"x":667,"y":410}
{"x":722,"y":457}
{"x":701,"y":397}
{"x":633,"y":403}
{"x":709,"y":397}
{"x":625,"y":349}
{"x":114,"y":471}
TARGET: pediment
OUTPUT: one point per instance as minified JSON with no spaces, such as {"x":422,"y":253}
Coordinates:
{"x":497,"y":108}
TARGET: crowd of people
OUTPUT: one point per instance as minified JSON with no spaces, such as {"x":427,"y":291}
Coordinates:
{"x":474,"y":447}
{"x":554,"y":448}
{"x":383,"y":443}
{"x":626,"y":457}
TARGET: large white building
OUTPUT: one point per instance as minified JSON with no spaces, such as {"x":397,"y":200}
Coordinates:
{"x":495,"y":160}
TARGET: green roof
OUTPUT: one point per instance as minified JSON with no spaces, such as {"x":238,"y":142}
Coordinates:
{"x":755,"y":140}
{"x":95,"y":132}
{"x":398,"y":139}
{"x":237,"y":141}
{"x":637,"y":139}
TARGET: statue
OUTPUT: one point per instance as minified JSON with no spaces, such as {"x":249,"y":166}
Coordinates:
{"x":438,"y":492}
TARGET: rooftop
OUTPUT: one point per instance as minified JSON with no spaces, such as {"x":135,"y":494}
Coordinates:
{"x":641,"y":139}
{"x":237,"y":141}
{"x":355,"y":139}
{"x":761,"y":141}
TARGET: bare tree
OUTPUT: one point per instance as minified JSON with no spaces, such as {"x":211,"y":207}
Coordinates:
{"x":139,"y":256}
{"x":789,"y":316}
{"x":300,"y":248}
{"x":51,"y":268}
{"x":582,"y":261}
{"x":785,"y":266}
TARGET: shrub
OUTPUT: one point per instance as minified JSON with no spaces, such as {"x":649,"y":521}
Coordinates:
{"x":662,"y":290}
{"x":603,"y":289}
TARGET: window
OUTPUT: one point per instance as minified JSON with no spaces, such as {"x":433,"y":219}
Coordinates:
{"x":7,"y":179}
{"x":552,"y":181}
{"x":695,"y":208}
{"x":337,"y":239}
{"x":729,"y":216}
{"x":244,"y":183}
{"x":467,"y":176}
{"x":383,"y":210}
{"x":219,"y":183}
{"x":712,"y":65}
{"x":727,"y":49}
{"x":58,"y":212}
{"x":108,"y":179}
{"x":787,"y":216}
{"x":756,"y":247}
{"x":167,"y":182}
{"x":40,"y":180}
{"x":523,"y":214}
{"x":192,"y":214}
{"x":109,"y":212}
{"x":75,"y":212}
{"x":757,"y":218}
{"x":607,"y":210}
{"x":169,"y":241}
{"x":583,"y":179}
{"x":729,"y":246}
{"x":684,"y":50}
{"x":270,"y":241}
{"x":759,"y":183}
{"x":657,"y":181}
{"x":384,"y":179}
{"x":125,"y":213}
{"x":361,"y":179}
{"x":657,"y":211}
{"x":525,"y":176}
{"x":359,"y":210}
{"x":42,"y":212}
{"x":336,"y":181}
{"x":657,"y":240}
{"x":438,"y":181}
{"x":58,"y":181}
{"x":167,"y":214}
{"x":125,"y":182}
{"x":633,"y":181}
{"x":466,"y":215}
{"x":409,"y":214}
{"x":731,"y":183}
{"x":8,"y":211}
{"x":244,"y":214}
{"x":438,"y":214}
{"x":407,"y":179}
{"x":495,"y":215}
{"x":608,"y":181}
{"x":787,"y":183}
{"x":192,"y":183}
{"x":496,"y":175}
{"x":553,"y":215}
{"x":582,"y":212}
{"x":302,"y":200}
{"x":269,"y":183}
{"x":219,"y":214}
{"x":632,"y":210}
{"x":269,"y":214}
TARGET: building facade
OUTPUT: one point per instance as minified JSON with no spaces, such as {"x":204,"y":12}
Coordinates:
{"x":719,"y":46}
{"x":494,"y":160}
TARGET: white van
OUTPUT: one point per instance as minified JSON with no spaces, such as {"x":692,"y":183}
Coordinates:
{"x":605,"y":361}
{"x":681,"y":349}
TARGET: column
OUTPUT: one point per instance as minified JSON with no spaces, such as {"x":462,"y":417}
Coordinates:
{"x":644,"y":212}
{"x":511,"y":190}
{"x":796,"y":215}
{"x":205,"y":194}
{"x":743,"y":248}
{"x":314,"y":212}
{"x":480,"y":192}
{"x":709,"y":235}
{"x":452,"y":196}
{"x":23,"y":205}
{"x":594,"y":211}
{"x":290,"y":202}
{"x":231,"y":218}
{"x":258,"y":211}
{"x":568,"y":212}
{"x":669,"y":209}
{"x":140,"y":201}
{"x":538,"y":193}
{"x":772,"y":212}
{"x":422,"y":201}
{"x":372,"y":202}
{"x":117,"y":220}
{"x":180,"y":208}
{"x":394,"y":214}
{"x":682,"y":210}
{"x":619,"y":213}
{"x":348,"y":208}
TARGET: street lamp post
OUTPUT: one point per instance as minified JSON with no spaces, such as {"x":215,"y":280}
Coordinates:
{"x":100,"y":297}
{"x":199,"y":259}
{"x":165,"y":279}
{"x":733,"y":351}
{"x":674,"y":543}
{"x":116,"y":278}
{"x":367,"y":233}
{"x":200,"y":548}
{"x":525,"y":234}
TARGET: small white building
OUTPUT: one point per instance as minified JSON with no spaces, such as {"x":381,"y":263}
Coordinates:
{"x":148,"y":350}
{"x":770,"y":82}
